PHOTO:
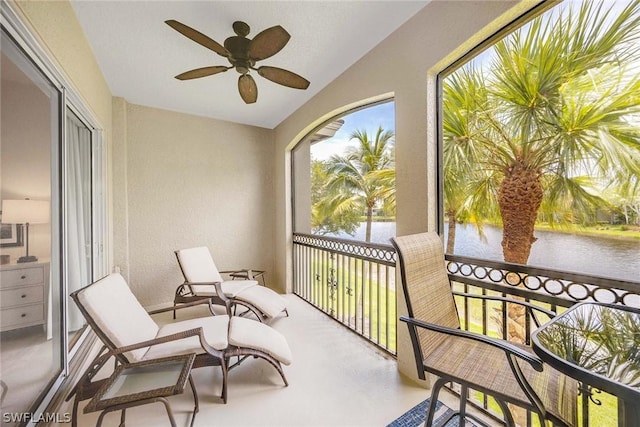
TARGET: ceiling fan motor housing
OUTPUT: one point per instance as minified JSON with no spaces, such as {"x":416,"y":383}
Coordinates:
{"x":238,"y":48}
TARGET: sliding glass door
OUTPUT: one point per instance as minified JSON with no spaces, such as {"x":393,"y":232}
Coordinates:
{"x":31,"y":330}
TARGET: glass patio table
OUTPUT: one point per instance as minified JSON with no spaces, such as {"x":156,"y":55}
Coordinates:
{"x":599,"y":345}
{"x":144,"y":382}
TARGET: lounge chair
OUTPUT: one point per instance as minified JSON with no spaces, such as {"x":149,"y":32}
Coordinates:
{"x":200,"y":272}
{"x":118,"y":319}
{"x":508,"y":372}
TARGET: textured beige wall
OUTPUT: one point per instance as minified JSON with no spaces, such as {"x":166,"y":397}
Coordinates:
{"x":120,"y":216}
{"x":403,"y":64}
{"x":301,"y":157}
{"x":59,"y":32}
{"x":191,"y":181}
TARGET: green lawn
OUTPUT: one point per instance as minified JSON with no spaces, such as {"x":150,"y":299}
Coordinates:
{"x":610,"y":230}
{"x":363,"y":298}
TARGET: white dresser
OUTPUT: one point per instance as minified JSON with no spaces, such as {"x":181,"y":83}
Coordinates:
{"x":24,"y":289}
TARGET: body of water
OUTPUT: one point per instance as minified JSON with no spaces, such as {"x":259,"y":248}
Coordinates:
{"x":586,"y":254}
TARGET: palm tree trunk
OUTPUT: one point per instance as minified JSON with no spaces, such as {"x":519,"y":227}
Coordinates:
{"x":451,"y":235}
{"x":519,"y":198}
{"x":367,"y":237}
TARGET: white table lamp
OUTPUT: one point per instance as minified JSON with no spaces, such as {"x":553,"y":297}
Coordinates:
{"x":25,"y":212}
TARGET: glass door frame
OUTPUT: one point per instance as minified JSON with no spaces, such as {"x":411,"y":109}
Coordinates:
{"x":13,"y":26}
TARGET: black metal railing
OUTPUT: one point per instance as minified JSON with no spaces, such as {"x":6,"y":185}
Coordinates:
{"x":552,"y":289}
{"x":354,"y":283}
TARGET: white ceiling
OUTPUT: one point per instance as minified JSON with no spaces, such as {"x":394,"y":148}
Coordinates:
{"x":140,"y":55}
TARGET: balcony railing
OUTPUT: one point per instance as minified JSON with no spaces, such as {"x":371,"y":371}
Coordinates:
{"x":354,"y":283}
{"x":550,"y":289}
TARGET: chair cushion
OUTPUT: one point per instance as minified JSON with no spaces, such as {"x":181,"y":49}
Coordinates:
{"x":198,"y":266}
{"x":267,"y":300}
{"x":258,"y":336}
{"x":215,"y":332}
{"x":231,"y":288}
{"x":118,"y":314}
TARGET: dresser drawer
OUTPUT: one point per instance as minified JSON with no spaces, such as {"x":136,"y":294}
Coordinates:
{"x":22,"y":276}
{"x":21,"y":296}
{"x":27,"y":315}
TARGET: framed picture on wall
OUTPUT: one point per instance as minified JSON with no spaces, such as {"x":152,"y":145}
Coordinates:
{"x":10,"y":234}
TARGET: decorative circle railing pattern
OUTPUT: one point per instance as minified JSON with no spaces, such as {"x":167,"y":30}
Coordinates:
{"x":333,"y":292}
{"x":384,"y":254}
{"x":567,"y":286}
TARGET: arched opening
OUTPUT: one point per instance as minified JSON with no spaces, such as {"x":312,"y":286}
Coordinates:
{"x":343,"y":176}
{"x":343,"y":213}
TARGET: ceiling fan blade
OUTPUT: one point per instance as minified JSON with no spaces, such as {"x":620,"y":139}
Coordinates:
{"x":248,"y":89}
{"x":283,"y":77}
{"x":201,"y":72}
{"x":197,"y":37}
{"x":268,"y":42}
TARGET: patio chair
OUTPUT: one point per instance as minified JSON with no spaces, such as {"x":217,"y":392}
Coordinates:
{"x":508,"y":372}
{"x":118,"y":319}
{"x":200,"y":272}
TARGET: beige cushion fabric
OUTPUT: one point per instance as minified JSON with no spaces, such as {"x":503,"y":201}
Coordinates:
{"x":117,"y":312}
{"x":268,"y":301}
{"x":215,"y":331}
{"x":231,"y":288}
{"x":255,"y":335}
{"x":198,"y":266}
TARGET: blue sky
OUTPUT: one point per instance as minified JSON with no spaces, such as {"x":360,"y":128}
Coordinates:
{"x":368,"y":119}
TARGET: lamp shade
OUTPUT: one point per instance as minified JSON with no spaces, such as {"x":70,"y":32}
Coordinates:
{"x":25,"y":211}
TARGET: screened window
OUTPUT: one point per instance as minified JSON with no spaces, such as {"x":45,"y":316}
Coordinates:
{"x":540,"y":137}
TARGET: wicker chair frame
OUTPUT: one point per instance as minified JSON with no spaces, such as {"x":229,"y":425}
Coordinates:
{"x":185,"y":294}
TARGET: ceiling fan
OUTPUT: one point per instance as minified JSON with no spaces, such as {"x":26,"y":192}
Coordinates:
{"x":243,"y":53}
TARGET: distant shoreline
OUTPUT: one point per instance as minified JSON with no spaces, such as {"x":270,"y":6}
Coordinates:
{"x":614,"y":231}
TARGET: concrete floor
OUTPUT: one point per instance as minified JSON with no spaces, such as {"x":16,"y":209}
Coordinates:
{"x":336,"y":379}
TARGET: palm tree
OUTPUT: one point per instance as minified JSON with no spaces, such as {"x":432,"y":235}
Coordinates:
{"x":466,"y":94}
{"x":552,"y":125}
{"x":364,"y":176}
{"x":331,"y":213}
{"x":557,"y":119}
